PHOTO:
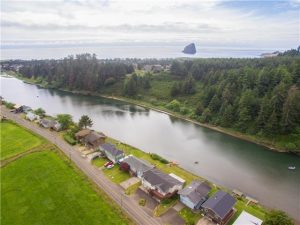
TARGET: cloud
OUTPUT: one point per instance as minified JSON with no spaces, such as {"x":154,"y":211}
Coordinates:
{"x":210,"y":21}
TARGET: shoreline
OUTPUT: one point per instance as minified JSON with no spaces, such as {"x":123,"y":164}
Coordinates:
{"x":225,"y":131}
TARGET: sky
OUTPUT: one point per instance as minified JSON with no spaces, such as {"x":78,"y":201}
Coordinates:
{"x":250,"y":24}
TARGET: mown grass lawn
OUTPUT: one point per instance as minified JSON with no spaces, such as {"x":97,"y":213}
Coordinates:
{"x":41,"y":188}
{"x":116,"y":175}
{"x":15,"y":139}
{"x":189,"y":216}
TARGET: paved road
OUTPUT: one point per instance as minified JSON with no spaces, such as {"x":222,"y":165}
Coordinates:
{"x":129,"y":205}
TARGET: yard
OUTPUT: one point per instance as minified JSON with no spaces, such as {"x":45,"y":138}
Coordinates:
{"x":15,"y":139}
{"x":44,"y":188}
{"x":189,"y":216}
{"x":255,"y":210}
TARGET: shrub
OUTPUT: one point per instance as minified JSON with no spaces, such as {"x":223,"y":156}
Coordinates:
{"x":109,"y":81}
{"x":158,"y":158}
{"x":69,"y":139}
{"x":142,"y":202}
{"x":8,"y":105}
{"x":290,"y":146}
{"x":174,"y":105}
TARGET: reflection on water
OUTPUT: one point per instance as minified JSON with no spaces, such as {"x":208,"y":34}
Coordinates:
{"x":222,"y":159}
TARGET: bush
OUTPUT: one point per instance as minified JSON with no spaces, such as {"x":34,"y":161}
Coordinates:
{"x":174,"y":105}
{"x":109,"y":81}
{"x":291,"y":146}
{"x":158,"y":158}
{"x":69,"y":139}
{"x":142,"y":202}
{"x":8,"y":105}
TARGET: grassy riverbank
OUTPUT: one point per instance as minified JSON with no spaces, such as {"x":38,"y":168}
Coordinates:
{"x":44,"y":187}
{"x":156,"y":99}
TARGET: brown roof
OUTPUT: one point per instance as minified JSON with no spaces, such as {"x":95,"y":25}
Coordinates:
{"x":82,"y":133}
{"x":93,"y":136}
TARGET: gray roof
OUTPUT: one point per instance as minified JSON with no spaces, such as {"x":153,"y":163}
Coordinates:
{"x":111,"y":149}
{"x":47,"y":122}
{"x":160,"y":180}
{"x":221,"y":203}
{"x":196,"y":191}
{"x":138,"y":164}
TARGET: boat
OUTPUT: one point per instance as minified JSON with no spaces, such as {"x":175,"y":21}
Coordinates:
{"x":292,"y":167}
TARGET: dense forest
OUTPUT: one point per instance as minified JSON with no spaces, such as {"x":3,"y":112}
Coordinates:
{"x":259,"y":97}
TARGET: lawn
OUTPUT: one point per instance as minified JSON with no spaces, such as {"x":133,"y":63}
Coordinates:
{"x":255,"y":210}
{"x":42,"y":188}
{"x":15,"y":139}
{"x":116,"y":175}
{"x":189,"y":216}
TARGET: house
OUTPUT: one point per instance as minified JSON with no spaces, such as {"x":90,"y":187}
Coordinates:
{"x":157,"y":68}
{"x":31,"y":116}
{"x":137,"y":166}
{"x":94,"y":139}
{"x":18,"y":108}
{"x":247,"y":219}
{"x":52,"y":124}
{"x":46,"y":123}
{"x":82,"y":134}
{"x":26,"y":108}
{"x":194,"y":194}
{"x":160,"y":185}
{"x":219,"y":207}
{"x":111,"y":152}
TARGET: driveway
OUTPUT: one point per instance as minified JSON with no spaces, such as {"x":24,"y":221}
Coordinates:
{"x":131,"y":181}
{"x":205,"y":221}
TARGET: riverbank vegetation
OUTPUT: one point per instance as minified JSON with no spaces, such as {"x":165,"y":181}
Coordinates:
{"x":44,"y":187}
{"x":257,"y":98}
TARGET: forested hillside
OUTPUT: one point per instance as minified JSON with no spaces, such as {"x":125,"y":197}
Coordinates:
{"x":259,"y":97}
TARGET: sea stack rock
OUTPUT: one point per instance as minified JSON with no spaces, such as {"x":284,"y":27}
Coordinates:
{"x":189,"y":49}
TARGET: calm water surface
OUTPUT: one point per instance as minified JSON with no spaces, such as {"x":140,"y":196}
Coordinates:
{"x":225,"y":160}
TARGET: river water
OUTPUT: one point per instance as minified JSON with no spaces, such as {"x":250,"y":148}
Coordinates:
{"x":223,"y":159}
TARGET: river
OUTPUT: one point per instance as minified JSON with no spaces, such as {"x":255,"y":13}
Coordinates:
{"x":223,"y":159}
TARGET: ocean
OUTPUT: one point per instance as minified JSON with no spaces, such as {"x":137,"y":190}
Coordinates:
{"x":123,"y":51}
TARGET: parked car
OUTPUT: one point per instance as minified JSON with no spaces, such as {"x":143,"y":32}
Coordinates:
{"x":110,"y":166}
{"x":108,"y":163}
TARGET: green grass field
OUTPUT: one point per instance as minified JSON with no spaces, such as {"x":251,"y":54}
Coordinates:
{"x":15,"y":140}
{"x":43,"y":188}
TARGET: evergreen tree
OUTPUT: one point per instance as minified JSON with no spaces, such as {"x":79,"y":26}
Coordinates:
{"x":85,"y":121}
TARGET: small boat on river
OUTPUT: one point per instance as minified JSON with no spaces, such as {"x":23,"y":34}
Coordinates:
{"x":292,"y":167}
